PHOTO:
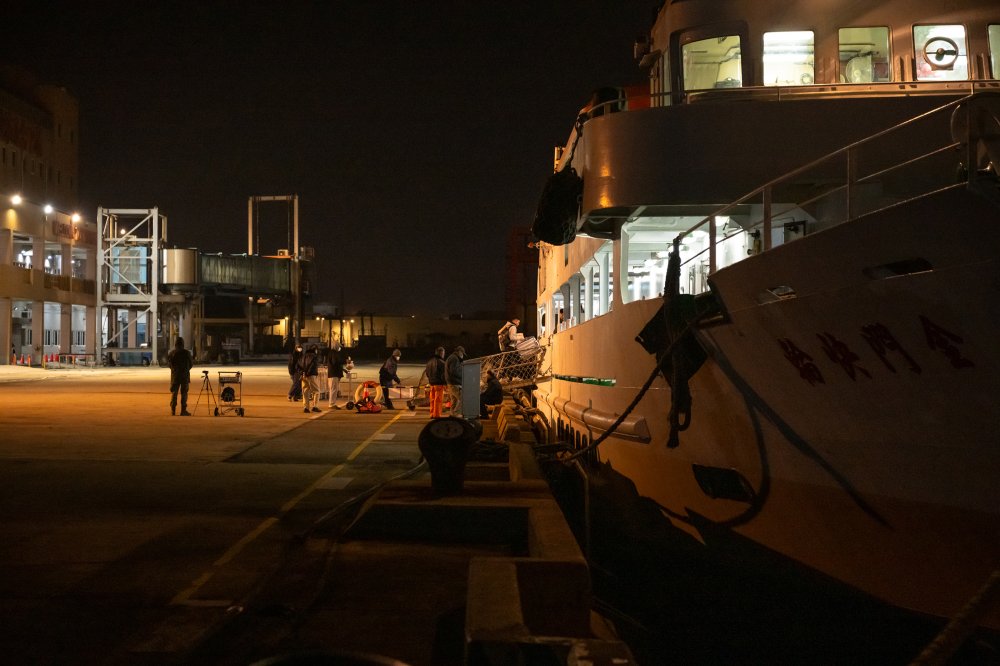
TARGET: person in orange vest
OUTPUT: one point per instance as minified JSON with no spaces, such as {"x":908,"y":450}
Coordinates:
{"x":435,"y":371}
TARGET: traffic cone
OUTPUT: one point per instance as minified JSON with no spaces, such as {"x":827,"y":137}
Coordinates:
{"x":22,"y":359}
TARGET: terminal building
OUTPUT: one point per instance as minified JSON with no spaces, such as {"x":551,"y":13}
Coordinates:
{"x":108,"y":287}
{"x":48,"y":293}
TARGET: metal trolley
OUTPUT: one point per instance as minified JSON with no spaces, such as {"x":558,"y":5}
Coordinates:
{"x":230,"y":393}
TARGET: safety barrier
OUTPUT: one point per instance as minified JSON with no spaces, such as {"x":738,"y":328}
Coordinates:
{"x":516,"y":369}
{"x":63,"y":361}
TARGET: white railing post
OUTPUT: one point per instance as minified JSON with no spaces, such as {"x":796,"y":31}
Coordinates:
{"x":849,"y":190}
{"x":766,"y":240}
{"x":711,"y":245}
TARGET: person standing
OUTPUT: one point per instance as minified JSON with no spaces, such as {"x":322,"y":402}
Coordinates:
{"x":387,"y":374}
{"x":453,"y":376}
{"x":180,"y":362}
{"x":513,"y":335}
{"x":435,"y":372}
{"x":295,"y":390}
{"x":309,"y":366}
{"x":509,"y":336}
{"x":334,"y":373}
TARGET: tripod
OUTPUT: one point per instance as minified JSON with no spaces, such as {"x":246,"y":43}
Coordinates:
{"x":206,"y":389}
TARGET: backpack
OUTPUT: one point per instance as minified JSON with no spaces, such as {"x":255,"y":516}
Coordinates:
{"x":502,"y":335}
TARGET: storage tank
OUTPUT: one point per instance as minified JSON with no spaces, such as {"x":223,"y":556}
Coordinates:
{"x":180,"y":269}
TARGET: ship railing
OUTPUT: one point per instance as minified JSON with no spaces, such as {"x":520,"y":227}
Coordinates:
{"x":837,"y":90}
{"x":934,"y":150}
{"x":516,"y":369}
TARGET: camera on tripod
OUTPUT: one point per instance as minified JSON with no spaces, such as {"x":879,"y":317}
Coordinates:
{"x":204,"y":373}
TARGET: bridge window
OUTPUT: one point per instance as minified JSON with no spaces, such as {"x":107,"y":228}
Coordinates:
{"x":715,"y":62}
{"x":941,"y":53}
{"x":788,"y":58}
{"x":994,"y":35}
{"x":864,"y":55}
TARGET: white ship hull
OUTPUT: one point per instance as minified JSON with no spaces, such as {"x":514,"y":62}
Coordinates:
{"x":885,"y":480}
{"x":846,"y":416}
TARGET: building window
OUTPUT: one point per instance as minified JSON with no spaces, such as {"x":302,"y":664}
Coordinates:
{"x":788,"y":58}
{"x":712,"y":63}
{"x":864,"y":55}
{"x":941,"y":53}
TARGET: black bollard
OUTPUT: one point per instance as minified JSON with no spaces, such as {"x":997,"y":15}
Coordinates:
{"x":445,"y":444}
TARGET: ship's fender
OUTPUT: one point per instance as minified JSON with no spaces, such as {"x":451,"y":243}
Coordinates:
{"x":669,"y":335}
{"x":559,"y":206}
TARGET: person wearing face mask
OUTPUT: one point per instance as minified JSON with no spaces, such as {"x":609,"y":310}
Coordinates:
{"x":334,"y":373}
{"x":309,"y":367}
{"x":435,"y":372}
{"x":388,"y":374}
{"x":453,"y":375}
{"x":295,"y":390}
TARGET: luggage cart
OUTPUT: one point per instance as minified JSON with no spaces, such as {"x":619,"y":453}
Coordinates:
{"x":420,"y":396}
{"x":230,"y":393}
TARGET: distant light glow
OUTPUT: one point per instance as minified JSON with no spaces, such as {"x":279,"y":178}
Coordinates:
{"x":16,"y":199}
{"x":48,"y":209}
{"x":76,"y":217}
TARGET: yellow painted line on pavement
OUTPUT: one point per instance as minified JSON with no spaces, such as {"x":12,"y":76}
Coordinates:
{"x":184,"y":597}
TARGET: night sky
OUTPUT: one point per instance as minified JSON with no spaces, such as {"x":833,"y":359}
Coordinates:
{"x":416,"y":134}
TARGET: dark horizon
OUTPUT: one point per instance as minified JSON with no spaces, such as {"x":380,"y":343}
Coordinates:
{"x":416,"y":136}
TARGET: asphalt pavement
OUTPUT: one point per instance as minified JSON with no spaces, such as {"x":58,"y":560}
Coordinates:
{"x":129,"y":534}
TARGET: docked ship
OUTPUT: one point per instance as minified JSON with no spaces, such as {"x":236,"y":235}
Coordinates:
{"x":769,"y":288}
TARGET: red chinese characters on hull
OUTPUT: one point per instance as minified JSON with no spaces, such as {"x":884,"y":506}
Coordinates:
{"x":883,"y":343}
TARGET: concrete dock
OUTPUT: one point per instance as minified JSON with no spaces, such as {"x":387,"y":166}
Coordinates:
{"x":276,"y":535}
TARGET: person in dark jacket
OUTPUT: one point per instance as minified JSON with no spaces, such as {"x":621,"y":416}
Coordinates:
{"x":295,"y":374}
{"x":453,"y":375}
{"x":491,"y":395}
{"x":334,"y":373}
{"x":309,"y":367}
{"x":436,"y":378}
{"x":388,"y":374}
{"x":180,"y":363}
